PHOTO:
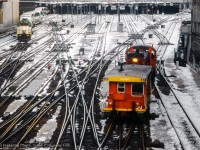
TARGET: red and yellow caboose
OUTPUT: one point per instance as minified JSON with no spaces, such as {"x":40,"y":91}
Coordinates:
{"x":129,"y":88}
{"x":141,"y":55}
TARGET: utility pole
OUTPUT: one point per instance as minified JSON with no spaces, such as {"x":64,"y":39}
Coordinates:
{"x":90,"y":14}
{"x":61,"y":11}
{"x":67,"y":12}
{"x":72,"y":9}
{"x":105,"y":10}
{"x":81,"y":11}
{"x":77,"y":13}
{"x":118,"y":13}
{"x":152,"y":12}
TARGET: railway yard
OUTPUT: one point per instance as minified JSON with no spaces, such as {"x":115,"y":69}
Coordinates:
{"x":52,"y":89}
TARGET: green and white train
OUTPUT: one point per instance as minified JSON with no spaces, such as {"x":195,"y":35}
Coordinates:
{"x":27,"y":21}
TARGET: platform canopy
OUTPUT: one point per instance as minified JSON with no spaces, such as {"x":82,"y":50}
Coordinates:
{"x":106,"y":1}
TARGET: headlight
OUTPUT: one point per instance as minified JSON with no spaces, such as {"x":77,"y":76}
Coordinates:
{"x":135,"y":60}
{"x":23,"y":28}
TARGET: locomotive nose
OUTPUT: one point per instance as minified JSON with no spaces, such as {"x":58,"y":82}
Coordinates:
{"x":24,"y":30}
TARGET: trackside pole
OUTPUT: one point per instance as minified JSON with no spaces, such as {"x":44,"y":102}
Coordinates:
{"x":177,"y":65}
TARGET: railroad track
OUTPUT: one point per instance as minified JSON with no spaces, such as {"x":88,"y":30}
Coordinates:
{"x":70,"y":95}
{"x":163,"y":38}
{"x":133,"y":29}
{"x":19,"y":62}
{"x":8,"y":31}
{"x":125,"y":132}
{"x":181,"y":123}
{"x":9,"y":41}
{"x":86,"y":104}
{"x":24,"y":58}
{"x":24,"y":115}
{"x":162,"y":48}
{"x":29,"y":103}
{"x":14,"y":123}
{"x":186,"y":131}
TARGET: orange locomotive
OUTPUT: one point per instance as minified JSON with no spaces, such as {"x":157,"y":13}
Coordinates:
{"x":142,"y":55}
{"x":129,"y":88}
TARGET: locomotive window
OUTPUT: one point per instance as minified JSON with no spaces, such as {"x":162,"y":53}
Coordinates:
{"x":121,"y":87}
{"x":137,"y":88}
{"x":140,"y":55}
{"x":24,"y":22}
{"x":37,"y":14}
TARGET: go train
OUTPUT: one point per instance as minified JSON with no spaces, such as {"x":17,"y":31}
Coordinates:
{"x":130,"y":84}
{"x":27,"y":21}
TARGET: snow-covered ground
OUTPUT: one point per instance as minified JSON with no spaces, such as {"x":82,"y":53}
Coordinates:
{"x":186,"y":83}
{"x":47,"y":130}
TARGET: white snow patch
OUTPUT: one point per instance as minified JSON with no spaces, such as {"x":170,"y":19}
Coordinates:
{"x":1,"y":119}
{"x":15,"y":105}
{"x":46,"y":131}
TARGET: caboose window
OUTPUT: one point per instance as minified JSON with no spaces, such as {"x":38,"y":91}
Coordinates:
{"x":137,"y":88}
{"x":121,"y":87}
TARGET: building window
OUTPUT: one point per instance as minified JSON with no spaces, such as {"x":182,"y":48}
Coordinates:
{"x":121,"y":87}
{"x":137,"y":88}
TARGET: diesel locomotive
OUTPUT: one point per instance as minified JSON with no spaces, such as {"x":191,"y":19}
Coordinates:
{"x":142,"y":55}
{"x":24,"y":30}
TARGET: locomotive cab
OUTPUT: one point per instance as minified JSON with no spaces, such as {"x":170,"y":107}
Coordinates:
{"x":129,"y":89}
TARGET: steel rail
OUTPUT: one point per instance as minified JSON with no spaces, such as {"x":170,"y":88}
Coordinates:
{"x":128,"y":136}
{"x":178,"y":101}
{"x":92,"y":100}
